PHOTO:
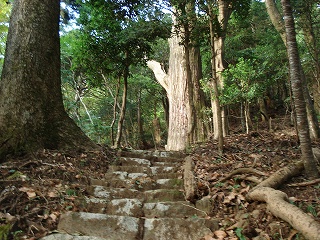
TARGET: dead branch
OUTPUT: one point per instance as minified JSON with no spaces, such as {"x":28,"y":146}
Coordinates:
{"x":304,"y":184}
{"x":243,"y":171}
{"x":278,"y":205}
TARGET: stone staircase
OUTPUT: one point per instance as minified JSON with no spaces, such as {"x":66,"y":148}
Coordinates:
{"x":141,"y":197}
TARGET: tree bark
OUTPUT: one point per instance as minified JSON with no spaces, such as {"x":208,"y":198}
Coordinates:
{"x":219,"y":43}
{"x":32,"y":115}
{"x":215,"y":102}
{"x":175,"y":84}
{"x":297,"y":90}
{"x":123,"y":108}
{"x":181,"y":85}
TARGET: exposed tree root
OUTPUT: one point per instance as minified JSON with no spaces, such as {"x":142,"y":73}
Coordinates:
{"x":278,"y":204}
{"x":304,"y":184}
{"x":281,"y":176}
{"x":242,"y":171}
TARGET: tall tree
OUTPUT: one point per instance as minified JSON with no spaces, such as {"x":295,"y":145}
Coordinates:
{"x":32,"y":114}
{"x":176,"y":86}
{"x":308,"y":12}
{"x":187,"y":123}
{"x":117,"y":35}
{"x":297,"y":90}
{"x":278,"y":23}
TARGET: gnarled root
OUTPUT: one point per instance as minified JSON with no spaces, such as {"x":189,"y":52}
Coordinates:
{"x":277,"y":201}
{"x":279,"y":206}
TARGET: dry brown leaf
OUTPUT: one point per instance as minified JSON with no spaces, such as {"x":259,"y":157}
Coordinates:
{"x":29,"y":191}
{"x":230,"y":197}
{"x":220,"y":234}
{"x":53,"y":216}
{"x":208,"y":237}
{"x":52,"y":194}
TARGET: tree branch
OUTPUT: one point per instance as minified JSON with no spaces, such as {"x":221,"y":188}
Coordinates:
{"x":160,"y":75}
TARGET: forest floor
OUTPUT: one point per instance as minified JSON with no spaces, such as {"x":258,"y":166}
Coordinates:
{"x":36,"y":189}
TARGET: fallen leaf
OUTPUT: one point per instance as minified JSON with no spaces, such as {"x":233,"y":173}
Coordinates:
{"x":29,"y":191}
{"x":208,"y":237}
{"x":52,"y":194}
{"x":220,"y":234}
{"x":53,"y":216}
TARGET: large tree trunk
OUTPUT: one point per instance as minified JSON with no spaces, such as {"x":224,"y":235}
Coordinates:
{"x":278,"y":23}
{"x":181,"y":85}
{"x":175,"y":83}
{"x":215,"y":102}
{"x":32,"y":115}
{"x":297,"y":90}
{"x":218,"y":46}
{"x":200,"y":127}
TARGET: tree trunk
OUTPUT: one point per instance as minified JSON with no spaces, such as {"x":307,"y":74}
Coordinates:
{"x":179,"y":85}
{"x":201,"y":128}
{"x":115,"y":106}
{"x":277,"y":21}
{"x":215,"y":102}
{"x":123,"y":108}
{"x":219,"y":41}
{"x":306,"y":22}
{"x":176,"y":85}
{"x":32,"y":115}
{"x":297,"y":90}
{"x":263,"y":110}
{"x":156,"y":127}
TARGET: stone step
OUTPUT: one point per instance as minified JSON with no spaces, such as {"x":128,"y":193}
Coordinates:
{"x":152,"y":155}
{"x":61,"y":236}
{"x":139,"y":175}
{"x":142,"y":183}
{"x":131,"y":161}
{"x":177,"y":228}
{"x":102,"y":226}
{"x":159,"y":195}
{"x":140,"y":169}
{"x":136,"y":208}
{"x":179,"y":209}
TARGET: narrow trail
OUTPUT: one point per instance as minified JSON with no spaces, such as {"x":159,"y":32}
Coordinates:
{"x":141,"y":197}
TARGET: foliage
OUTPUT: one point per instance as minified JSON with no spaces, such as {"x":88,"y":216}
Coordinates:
{"x":243,"y":82}
{"x":5,"y":10}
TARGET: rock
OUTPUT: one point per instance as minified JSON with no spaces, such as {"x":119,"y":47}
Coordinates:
{"x":170,"y":228}
{"x":205,"y":204}
{"x":100,"y":225}
{"x":60,"y":236}
{"x":189,"y":179}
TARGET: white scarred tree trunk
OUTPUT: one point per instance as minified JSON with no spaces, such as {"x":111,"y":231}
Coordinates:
{"x":176,"y":85}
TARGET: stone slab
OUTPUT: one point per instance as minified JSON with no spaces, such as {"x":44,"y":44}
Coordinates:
{"x":174,"y":228}
{"x":124,"y":161}
{"x":100,"y":225}
{"x":125,"y":207}
{"x":60,"y":236}
{"x":179,"y":209}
